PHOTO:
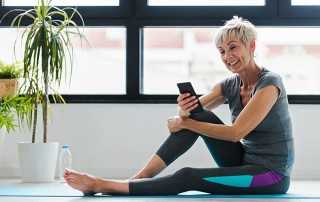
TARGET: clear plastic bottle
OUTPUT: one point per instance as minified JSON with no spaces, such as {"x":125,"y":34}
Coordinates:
{"x":65,"y":161}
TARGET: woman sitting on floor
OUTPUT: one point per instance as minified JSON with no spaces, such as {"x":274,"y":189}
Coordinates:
{"x":255,"y":154}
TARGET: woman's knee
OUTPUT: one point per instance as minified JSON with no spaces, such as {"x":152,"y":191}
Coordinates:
{"x":206,"y":116}
{"x":184,"y":173}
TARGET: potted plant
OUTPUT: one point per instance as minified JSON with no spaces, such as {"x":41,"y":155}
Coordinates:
{"x":11,"y":104}
{"x":9,"y":100}
{"x":9,"y":78}
{"x":47,"y":50}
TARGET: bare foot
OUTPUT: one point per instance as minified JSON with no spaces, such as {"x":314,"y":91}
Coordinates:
{"x":82,"y":182}
{"x":90,"y":185}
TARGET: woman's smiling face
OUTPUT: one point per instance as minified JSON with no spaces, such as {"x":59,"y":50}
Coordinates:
{"x":235,"y":55}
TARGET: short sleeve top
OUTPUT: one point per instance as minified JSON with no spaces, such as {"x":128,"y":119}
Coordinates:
{"x":271,"y":143}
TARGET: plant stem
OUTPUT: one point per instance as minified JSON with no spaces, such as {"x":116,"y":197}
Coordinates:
{"x":45,"y":67}
{"x":34,"y":124}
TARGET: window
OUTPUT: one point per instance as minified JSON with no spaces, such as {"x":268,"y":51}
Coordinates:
{"x":206,"y":3}
{"x":189,"y":54}
{"x":140,"y":49}
{"x":64,"y":2}
{"x":180,"y":54}
{"x":98,"y":69}
{"x":205,"y":9}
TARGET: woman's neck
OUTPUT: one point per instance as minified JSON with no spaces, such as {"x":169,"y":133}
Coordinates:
{"x":250,"y":76}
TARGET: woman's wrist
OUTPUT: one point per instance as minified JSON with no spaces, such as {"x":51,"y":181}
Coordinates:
{"x":183,"y":114}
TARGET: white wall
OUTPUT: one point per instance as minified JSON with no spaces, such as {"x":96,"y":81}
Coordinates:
{"x":115,"y":140}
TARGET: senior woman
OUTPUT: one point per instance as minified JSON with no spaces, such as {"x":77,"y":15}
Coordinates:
{"x":254,"y":155}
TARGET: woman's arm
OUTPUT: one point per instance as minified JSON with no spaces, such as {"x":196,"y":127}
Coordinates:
{"x":213,"y":99}
{"x":254,"y":112}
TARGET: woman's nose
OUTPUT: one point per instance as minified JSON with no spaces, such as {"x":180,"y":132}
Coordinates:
{"x":227,"y":56}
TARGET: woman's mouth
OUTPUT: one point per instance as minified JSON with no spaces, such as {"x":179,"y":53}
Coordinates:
{"x":233,"y":63}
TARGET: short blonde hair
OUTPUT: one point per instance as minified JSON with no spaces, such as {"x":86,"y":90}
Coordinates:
{"x":238,"y":27}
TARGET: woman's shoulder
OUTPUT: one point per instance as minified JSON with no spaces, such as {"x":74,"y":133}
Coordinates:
{"x":231,"y":79}
{"x":269,"y":74}
{"x":269,"y":78}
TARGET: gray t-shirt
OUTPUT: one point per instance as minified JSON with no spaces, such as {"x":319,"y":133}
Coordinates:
{"x":270,"y":144}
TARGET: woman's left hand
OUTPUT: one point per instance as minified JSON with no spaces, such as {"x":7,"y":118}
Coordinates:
{"x":174,"y":124}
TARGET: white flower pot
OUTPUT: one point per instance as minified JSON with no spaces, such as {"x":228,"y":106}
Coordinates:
{"x":38,"y":161}
{"x":2,"y":138}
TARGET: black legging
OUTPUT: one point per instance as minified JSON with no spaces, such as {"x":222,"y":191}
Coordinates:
{"x":231,"y":177}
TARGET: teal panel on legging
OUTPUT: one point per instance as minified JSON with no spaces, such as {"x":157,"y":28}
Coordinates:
{"x":235,"y":181}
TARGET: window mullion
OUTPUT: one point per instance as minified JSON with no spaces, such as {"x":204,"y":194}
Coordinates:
{"x":133,"y":60}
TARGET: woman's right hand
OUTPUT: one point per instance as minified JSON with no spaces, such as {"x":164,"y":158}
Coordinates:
{"x":186,"y":103}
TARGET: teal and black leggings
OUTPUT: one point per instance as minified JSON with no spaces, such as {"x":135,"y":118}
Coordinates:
{"x":231,"y":177}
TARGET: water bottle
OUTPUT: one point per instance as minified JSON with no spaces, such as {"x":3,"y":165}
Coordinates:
{"x":65,"y":161}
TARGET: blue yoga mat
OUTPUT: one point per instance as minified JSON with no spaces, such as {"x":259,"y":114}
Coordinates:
{"x":66,"y":191}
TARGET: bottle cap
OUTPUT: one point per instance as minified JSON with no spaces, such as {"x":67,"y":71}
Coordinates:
{"x":65,"y":146}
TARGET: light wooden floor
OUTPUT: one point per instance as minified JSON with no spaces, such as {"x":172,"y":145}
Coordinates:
{"x":296,"y":187}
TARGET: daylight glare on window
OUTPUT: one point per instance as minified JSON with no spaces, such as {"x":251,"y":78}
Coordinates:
{"x":305,"y":2}
{"x":189,"y":54}
{"x":63,"y":2}
{"x":206,"y":2}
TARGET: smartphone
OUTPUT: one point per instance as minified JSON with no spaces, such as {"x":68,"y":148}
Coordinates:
{"x":186,"y":87}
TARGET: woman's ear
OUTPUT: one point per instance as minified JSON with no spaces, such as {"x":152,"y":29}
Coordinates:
{"x":252,"y":46}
